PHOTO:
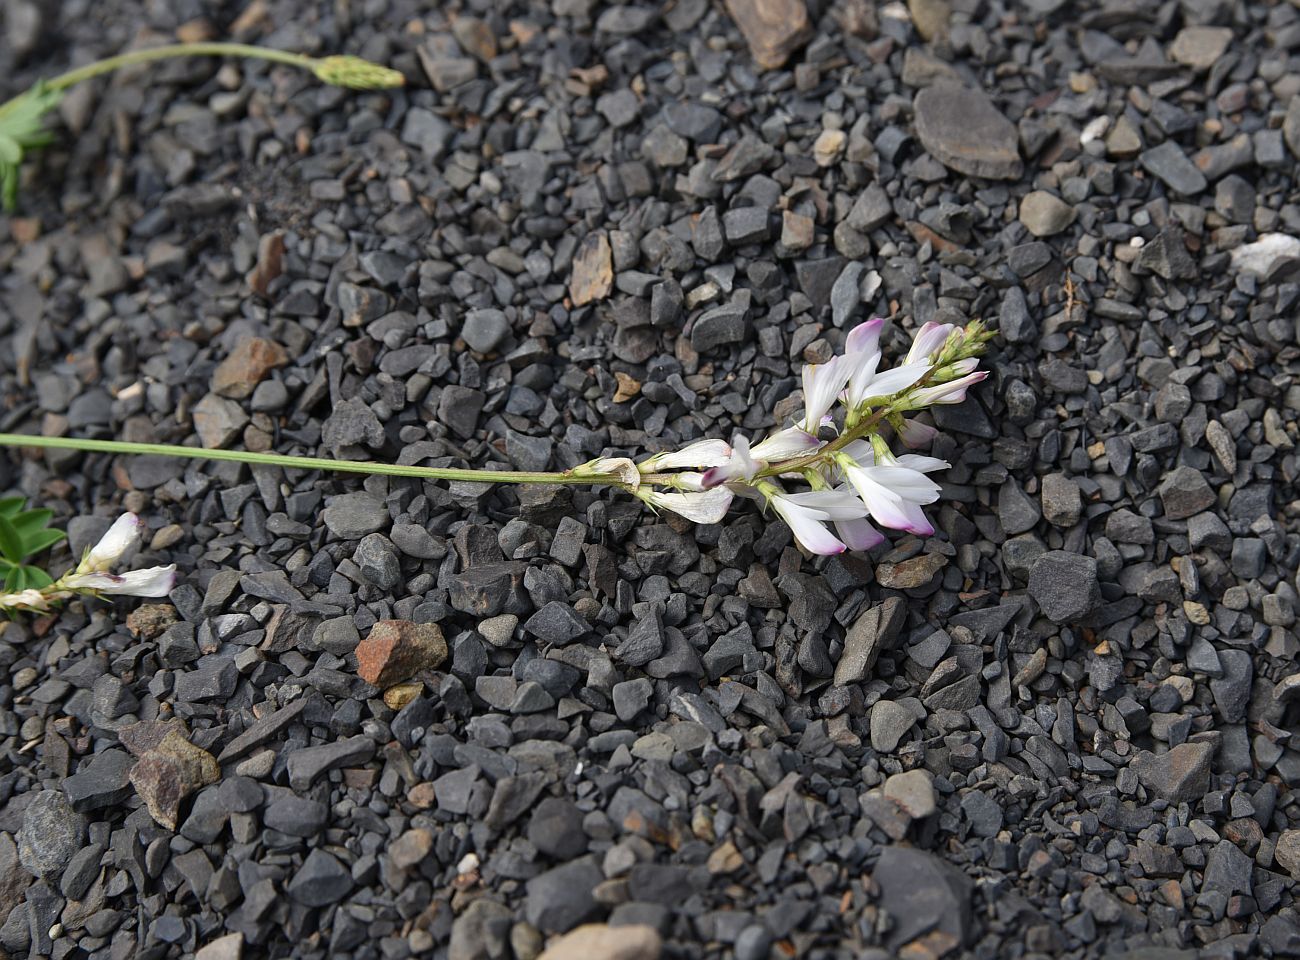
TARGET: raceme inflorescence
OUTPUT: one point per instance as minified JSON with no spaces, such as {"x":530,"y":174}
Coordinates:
{"x":836,"y":454}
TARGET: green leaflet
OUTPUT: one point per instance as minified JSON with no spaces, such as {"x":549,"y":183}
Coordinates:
{"x":22,"y":128}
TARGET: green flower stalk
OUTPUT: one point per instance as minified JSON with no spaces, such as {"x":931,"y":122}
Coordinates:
{"x":836,"y":449}
{"x":22,"y":119}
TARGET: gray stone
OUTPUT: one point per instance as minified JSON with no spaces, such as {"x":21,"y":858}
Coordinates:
{"x":1064,"y":585}
{"x":922,"y":894}
{"x":351,"y":516}
{"x":962,"y":129}
{"x":1168,"y":162}
{"x":1045,"y":215}
{"x":52,"y":832}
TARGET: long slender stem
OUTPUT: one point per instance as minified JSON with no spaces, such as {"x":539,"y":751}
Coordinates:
{"x":302,"y":463}
{"x":214,"y":49}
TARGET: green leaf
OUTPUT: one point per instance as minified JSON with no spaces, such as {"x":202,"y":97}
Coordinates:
{"x":11,"y":542}
{"x":39,"y":540}
{"x":37,"y":578}
{"x":22,"y":128}
{"x":11,"y":505}
{"x":29,"y":521}
{"x":16,"y":580}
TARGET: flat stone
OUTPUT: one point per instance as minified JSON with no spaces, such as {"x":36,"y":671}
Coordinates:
{"x":1200,"y":47}
{"x":1168,"y":162}
{"x":247,"y":366}
{"x":563,"y":897}
{"x":962,"y":129}
{"x":594,"y":940}
{"x":218,"y":421}
{"x":872,"y":632}
{"x":913,"y":791}
{"x":889,"y":722}
{"x":351,"y":516}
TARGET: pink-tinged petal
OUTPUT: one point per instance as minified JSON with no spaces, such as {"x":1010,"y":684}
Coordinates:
{"x":709,"y":506}
{"x":918,"y":522}
{"x":914,"y":461}
{"x":785,"y":444}
{"x":808,"y":527}
{"x":885,"y":507}
{"x":916,"y":435}
{"x":928,"y":341}
{"x":740,"y":466}
{"x":701,"y":453}
{"x":859,"y":534}
{"x":865,"y":337}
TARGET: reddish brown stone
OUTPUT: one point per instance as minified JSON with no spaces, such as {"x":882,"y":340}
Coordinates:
{"x":148,"y":620}
{"x":774,"y":29}
{"x":246,"y":367}
{"x":397,"y":650}
{"x":170,"y":772}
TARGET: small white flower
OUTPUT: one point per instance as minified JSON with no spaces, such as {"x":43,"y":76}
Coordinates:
{"x":149,"y":582}
{"x":954,"y":391}
{"x":822,"y":385}
{"x":621,"y":469}
{"x":121,"y":537}
{"x":785,"y":444}
{"x":893,"y":494}
{"x":929,"y":340}
{"x":807,"y":514}
{"x":701,"y":453}
{"x":33,"y":600}
{"x":705,"y":506}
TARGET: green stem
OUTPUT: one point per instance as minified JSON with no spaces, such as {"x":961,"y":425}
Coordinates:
{"x":215,"y":49}
{"x":301,"y":463}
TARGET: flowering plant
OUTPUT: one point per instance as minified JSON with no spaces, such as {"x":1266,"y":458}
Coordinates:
{"x":92,"y":576}
{"x":852,"y":476}
{"x":849,"y":480}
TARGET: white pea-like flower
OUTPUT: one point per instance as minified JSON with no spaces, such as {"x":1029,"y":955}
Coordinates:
{"x":700,"y":506}
{"x":149,"y":582}
{"x":123,"y":536}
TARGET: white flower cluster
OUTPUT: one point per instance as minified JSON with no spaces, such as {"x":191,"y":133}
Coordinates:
{"x":853,"y":477}
{"x":91,"y":576}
